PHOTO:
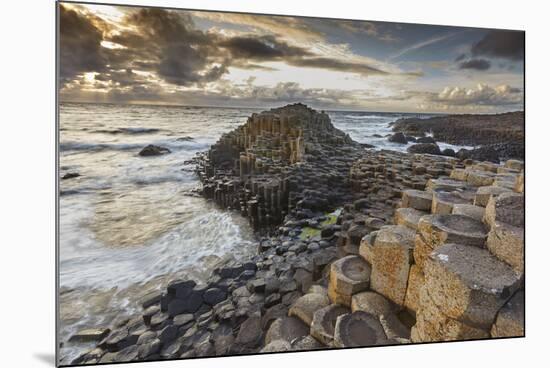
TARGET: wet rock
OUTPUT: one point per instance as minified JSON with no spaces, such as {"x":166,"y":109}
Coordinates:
{"x":70,"y":175}
{"x":147,"y":349}
{"x":398,"y":138}
{"x":188,"y":305}
{"x":250,"y":334}
{"x":90,"y":334}
{"x":448,"y":152}
{"x":152,"y":150}
{"x":358,"y":329}
{"x":429,"y":148}
{"x":214,"y":296}
{"x":425,"y":140}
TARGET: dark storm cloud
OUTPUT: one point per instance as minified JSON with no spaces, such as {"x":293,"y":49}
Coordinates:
{"x":262,"y":48}
{"x":501,"y":44}
{"x":460,"y":57}
{"x":80,"y":45}
{"x":476,"y":64}
{"x":336,"y":65}
{"x":168,"y":44}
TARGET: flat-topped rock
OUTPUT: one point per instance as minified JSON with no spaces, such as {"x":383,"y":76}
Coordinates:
{"x":324,"y":321}
{"x":469,"y":210}
{"x":468,"y":283}
{"x":508,"y":208}
{"x":445,"y":184}
{"x":90,"y":334}
{"x":408,"y":217}
{"x":371,"y":302}
{"x":306,"y":343}
{"x":515,"y":164}
{"x":480,"y":178}
{"x":287,"y":329}
{"x":350,"y":275}
{"x":439,"y":229}
{"x":392,"y":257}
{"x":459,"y":174}
{"x":305,"y":306}
{"x":510,"y":321}
{"x":444,"y":202}
{"x":417,"y":199}
{"x":358,"y":329}
{"x":483,"y":194}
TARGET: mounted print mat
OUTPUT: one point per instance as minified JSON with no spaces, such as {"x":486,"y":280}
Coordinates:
{"x":234,"y":183}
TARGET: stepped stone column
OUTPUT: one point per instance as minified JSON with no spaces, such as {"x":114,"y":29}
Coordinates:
{"x":348,"y":275}
{"x":391,"y":260}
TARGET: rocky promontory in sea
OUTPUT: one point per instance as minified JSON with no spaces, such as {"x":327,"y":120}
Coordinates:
{"x":502,"y":136}
{"x":357,"y":247}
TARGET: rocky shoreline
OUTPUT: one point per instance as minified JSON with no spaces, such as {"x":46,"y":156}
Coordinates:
{"x":502,"y":136}
{"x":358,"y":248}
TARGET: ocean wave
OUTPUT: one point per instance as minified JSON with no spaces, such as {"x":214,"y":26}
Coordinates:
{"x":136,"y":130}
{"x":368,"y":117}
{"x":78,"y":146}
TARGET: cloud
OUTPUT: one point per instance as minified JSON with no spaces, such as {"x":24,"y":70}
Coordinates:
{"x":501,"y":44}
{"x":80,"y":45}
{"x":261,"y":48}
{"x":476,"y":64}
{"x":336,"y":65}
{"x":422,"y":44}
{"x":482,"y":95}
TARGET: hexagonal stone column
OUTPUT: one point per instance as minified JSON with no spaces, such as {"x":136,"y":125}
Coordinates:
{"x":417,"y":199}
{"x":287,"y":329}
{"x":358,"y":329}
{"x":505,"y":215}
{"x":480,"y":178}
{"x":305,"y":306}
{"x":468,"y":283}
{"x":348,"y":275}
{"x":469,"y":210}
{"x":371,"y":302}
{"x":445,"y":184}
{"x":392,"y":257}
{"x":483,"y":194}
{"x":510,"y":319}
{"x":436,"y":230}
{"x":433,"y":325}
{"x":324,"y":321}
{"x":444,"y":202}
{"x":415,"y":283}
{"x":408,"y":217}
{"x":367,"y":244}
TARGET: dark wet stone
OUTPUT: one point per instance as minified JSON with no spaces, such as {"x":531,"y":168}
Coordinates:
{"x":152,"y":150}
{"x":213,"y":296}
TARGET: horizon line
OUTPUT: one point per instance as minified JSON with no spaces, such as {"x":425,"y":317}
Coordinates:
{"x":267,"y":107}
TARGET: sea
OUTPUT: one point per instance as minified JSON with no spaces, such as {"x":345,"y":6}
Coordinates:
{"x":130,"y":224}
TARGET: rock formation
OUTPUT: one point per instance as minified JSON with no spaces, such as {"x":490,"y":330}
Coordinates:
{"x":425,"y":248}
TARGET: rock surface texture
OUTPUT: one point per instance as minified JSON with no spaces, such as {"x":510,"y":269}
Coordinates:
{"x":423,"y":248}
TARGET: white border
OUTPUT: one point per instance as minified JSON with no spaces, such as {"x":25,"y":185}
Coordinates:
{"x":27,"y":182}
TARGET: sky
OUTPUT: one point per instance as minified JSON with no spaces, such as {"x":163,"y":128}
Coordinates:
{"x":137,"y":55}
